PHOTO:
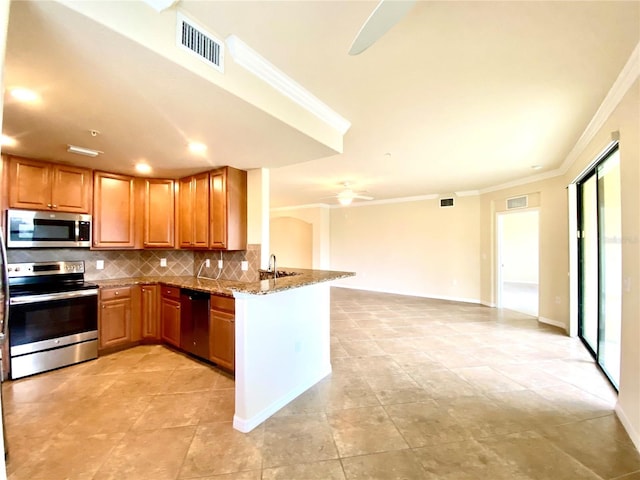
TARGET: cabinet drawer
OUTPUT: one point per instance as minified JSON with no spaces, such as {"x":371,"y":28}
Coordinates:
{"x":171,"y":292}
{"x":111,"y":293}
{"x":224,"y":304}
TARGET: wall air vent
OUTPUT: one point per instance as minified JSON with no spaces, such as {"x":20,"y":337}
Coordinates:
{"x":517,"y":202}
{"x":195,"y":39}
{"x":447,"y":202}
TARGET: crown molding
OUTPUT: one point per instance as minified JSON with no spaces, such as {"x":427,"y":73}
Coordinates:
{"x":627,"y":77}
{"x":300,"y":207}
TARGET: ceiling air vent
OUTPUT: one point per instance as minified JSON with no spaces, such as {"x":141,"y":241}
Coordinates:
{"x":517,"y":202}
{"x":197,"y":40}
{"x":446,"y":202}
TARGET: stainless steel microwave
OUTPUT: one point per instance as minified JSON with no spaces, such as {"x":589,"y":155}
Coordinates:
{"x":30,"y":229}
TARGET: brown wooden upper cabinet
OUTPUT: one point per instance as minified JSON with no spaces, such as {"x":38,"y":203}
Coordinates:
{"x":228,"y":209}
{"x":47,"y":186}
{"x":113,"y":211}
{"x":159,"y":213}
{"x":193,"y":201}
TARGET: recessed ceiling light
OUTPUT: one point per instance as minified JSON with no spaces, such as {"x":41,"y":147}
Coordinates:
{"x":8,"y":141}
{"x":24,"y":95}
{"x":536,"y":167}
{"x":83,"y":151}
{"x":196,"y":147}
{"x":143,"y":167}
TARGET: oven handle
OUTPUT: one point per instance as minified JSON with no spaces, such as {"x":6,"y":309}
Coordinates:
{"x":47,"y":297}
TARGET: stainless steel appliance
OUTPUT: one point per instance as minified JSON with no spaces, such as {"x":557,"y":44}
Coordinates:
{"x":4,"y":321}
{"x":26,"y":229}
{"x":54,"y":316}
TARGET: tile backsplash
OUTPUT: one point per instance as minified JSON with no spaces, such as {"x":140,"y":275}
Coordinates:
{"x":133,"y":263}
{"x":231,"y":264}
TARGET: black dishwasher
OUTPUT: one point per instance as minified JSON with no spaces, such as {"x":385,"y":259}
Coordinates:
{"x":194,"y":322}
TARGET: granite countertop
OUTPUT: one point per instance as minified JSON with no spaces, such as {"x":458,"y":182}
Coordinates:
{"x":302,"y":278}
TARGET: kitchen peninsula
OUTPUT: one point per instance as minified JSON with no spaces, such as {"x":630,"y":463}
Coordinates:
{"x":282,"y":335}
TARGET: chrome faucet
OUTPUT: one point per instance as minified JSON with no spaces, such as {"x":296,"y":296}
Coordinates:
{"x":275,"y":272}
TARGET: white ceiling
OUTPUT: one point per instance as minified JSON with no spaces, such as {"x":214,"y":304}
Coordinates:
{"x":462,"y":95}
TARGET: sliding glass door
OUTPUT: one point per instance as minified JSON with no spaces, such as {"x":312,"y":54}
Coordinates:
{"x":600,"y":267}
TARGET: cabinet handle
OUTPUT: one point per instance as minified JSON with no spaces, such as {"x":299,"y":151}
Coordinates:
{"x":103,"y":306}
{"x":55,"y":206}
{"x":49,"y":205}
{"x":117,"y":293}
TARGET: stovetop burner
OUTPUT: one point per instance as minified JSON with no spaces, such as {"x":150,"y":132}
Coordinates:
{"x":46,"y":277}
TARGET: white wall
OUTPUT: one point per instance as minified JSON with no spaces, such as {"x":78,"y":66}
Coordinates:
{"x":258,"y":212}
{"x":625,"y":119}
{"x":413,"y":248}
{"x":282,"y":349}
{"x":291,"y":241}
{"x":319,"y":218}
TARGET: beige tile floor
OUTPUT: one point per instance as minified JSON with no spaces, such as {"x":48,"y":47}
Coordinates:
{"x":420,"y":389}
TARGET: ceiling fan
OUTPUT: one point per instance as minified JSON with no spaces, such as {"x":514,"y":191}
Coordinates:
{"x":346,"y":196}
{"x":386,"y":14}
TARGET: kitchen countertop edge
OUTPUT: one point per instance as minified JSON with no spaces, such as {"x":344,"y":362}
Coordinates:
{"x":227,"y":288}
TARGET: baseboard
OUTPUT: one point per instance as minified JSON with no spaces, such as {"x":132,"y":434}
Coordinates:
{"x":488,"y":304}
{"x":245,"y":425}
{"x":633,"y":434}
{"x":411,"y":294}
{"x":553,"y":323}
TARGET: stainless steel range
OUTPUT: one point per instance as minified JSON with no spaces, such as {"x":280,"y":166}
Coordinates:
{"x":53,"y":316}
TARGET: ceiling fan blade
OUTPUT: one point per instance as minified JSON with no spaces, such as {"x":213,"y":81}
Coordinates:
{"x":363,"y":197}
{"x":386,"y":14}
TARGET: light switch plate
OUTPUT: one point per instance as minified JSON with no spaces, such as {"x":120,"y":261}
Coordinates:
{"x":163,"y":262}
{"x":99,"y":264}
{"x":220,"y":264}
{"x":244,"y":265}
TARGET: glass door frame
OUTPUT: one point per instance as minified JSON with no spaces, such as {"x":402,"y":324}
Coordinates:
{"x":590,"y":173}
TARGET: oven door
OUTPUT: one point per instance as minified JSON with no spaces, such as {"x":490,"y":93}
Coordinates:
{"x":42,"y":317}
{"x":49,"y":331}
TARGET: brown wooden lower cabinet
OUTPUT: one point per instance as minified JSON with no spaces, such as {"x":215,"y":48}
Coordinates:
{"x":149,"y":312}
{"x":170,"y":315}
{"x":114,"y":320}
{"x":222,"y":331}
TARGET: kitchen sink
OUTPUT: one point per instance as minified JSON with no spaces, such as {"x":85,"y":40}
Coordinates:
{"x":267,"y":275}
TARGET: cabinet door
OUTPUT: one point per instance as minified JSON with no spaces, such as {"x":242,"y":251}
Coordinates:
{"x":201,"y":210}
{"x":113,"y":211}
{"x":185,"y":209}
{"x":29,"y":185}
{"x":222,"y":331}
{"x":193,"y":201}
{"x":71,"y":189}
{"x":222,"y":339}
{"x":228,"y":209}
{"x":114,"y":328}
{"x":158,"y":214}
{"x":149,"y":312}
{"x":170,"y":321}
{"x":218,"y":214}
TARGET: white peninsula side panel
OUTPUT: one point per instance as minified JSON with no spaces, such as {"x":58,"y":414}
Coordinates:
{"x":282,"y":349}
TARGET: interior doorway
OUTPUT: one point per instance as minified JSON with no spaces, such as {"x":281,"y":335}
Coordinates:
{"x":518,"y":259}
